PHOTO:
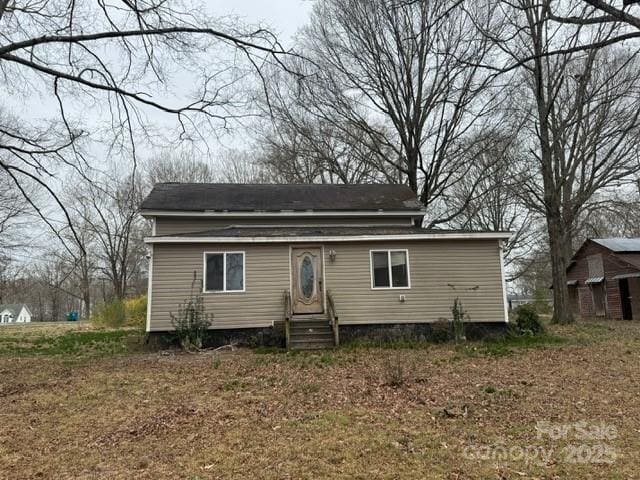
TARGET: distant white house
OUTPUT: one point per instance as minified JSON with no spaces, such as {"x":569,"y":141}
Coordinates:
{"x":14,"y":313}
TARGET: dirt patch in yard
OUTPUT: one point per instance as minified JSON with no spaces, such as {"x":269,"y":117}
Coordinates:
{"x":561,"y":409}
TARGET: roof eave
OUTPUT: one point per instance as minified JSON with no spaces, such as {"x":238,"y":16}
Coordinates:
{"x":331,"y":238}
{"x":282,"y":213}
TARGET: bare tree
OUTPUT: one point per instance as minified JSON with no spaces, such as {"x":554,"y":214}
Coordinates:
{"x":594,"y":12}
{"x":77,"y":253}
{"x":498,"y":205}
{"x":14,"y":214}
{"x":298,"y":148}
{"x":111,"y":216}
{"x":397,"y":80}
{"x":242,"y":166}
{"x":104,"y":69}
{"x":182,"y":165}
{"x":615,"y":214}
{"x":582,"y":110}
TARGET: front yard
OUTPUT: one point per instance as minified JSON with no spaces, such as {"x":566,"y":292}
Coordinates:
{"x":75,"y":408}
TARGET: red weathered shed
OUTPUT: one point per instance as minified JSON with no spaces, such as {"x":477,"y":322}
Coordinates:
{"x":604,"y":278}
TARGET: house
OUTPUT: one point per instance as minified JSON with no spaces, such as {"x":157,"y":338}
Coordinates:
{"x":604,"y":278}
{"x":317,"y":263}
{"x":14,"y":313}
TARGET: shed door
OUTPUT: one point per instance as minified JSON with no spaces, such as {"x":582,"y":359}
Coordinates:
{"x":625,"y":299}
{"x":306,"y":279}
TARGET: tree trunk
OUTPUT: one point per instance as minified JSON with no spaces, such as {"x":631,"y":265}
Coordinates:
{"x":3,"y":7}
{"x":412,"y":167}
{"x":86,"y":300}
{"x":562,"y":312}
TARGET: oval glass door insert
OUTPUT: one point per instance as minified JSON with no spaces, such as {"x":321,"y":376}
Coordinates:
{"x":306,"y":277}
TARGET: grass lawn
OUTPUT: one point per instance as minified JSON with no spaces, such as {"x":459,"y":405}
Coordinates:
{"x":81,"y":403}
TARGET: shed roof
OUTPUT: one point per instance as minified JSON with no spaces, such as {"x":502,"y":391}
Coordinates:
{"x":619,"y":245}
{"x":200,"y":197}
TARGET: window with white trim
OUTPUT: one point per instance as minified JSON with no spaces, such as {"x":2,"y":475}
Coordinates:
{"x":224,"y":271}
{"x":389,"y":269}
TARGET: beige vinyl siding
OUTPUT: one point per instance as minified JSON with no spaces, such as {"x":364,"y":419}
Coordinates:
{"x":266,"y":278}
{"x":173,"y":225}
{"x":433,"y":264}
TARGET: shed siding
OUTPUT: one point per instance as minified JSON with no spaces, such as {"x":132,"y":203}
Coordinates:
{"x":434,"y":265}
{"x":611,"y":266}
{"x":173,"y":225}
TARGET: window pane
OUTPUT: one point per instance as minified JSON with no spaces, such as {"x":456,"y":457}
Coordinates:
{"x":380,"y":269}
{"x":399,"y":269}
{"x":306,"y":277}
{"x":214,"y":272}
{"x":234,"y":271}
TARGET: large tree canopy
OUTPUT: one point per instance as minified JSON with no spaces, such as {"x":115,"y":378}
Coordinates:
{"x":388,"y":87}
{"x":101,"y":78}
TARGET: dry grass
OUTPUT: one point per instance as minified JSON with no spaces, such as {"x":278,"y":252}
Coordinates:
{"x":329,"y":415}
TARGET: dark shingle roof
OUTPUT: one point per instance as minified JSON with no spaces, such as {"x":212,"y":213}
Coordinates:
{"x":244,"y":231}
{"x":14,"y":308}
{"x":271,"y":197}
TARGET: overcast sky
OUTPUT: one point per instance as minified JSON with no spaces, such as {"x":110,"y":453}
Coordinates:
{"x":284,"y":16}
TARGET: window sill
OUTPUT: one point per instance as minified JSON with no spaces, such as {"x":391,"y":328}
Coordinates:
{"x":222,"y":292}
{"x":390,"y":288}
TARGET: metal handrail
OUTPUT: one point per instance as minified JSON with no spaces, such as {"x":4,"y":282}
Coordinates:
{"x":287,"y":316}
{"x":333,"y":318}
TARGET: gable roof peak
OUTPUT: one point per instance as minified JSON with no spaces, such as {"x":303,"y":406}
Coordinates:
{"x":14,"y":308}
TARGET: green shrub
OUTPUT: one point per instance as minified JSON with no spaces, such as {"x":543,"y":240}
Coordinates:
{"x":191,"y":322}
{"x":120,"y":313}
{"x":109,"y":314}
{"x":136,"y":311}
{"x":528,"y":321}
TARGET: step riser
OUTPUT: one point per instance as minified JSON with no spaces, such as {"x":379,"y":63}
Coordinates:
{"x":310,"y":330}
{"x":324,"y":341}
{"x":319,"y":328}
{"x":312,"y":348}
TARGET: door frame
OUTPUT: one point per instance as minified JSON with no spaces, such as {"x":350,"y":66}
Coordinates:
{"x":323,"y":293}
{"x":626,"y":300}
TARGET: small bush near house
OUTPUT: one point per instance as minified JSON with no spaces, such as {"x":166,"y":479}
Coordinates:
{"x":109,"y":314}
{"x":459,"y":316}
{"x":394,"y":373}
{"x":191,"y":322}
{"x":441,"y":331}
{"x":136,"y":311}
{"x":528,"y":321}
{"x":120,"y":313}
